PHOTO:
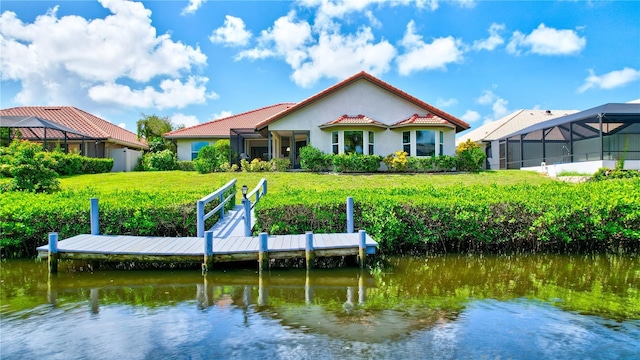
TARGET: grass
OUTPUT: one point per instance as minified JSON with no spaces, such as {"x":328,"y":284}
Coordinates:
{"x":573,"y":173}
{"x":282,"y":182}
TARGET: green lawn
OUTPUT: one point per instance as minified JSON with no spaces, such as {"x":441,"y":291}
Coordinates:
{"x":281,"y":182}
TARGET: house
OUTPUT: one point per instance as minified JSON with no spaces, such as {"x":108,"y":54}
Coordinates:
{"x":361,"y":114}
{"x":581,"y":142}
{"x":488,"y":134}
{"x":94,"y":137}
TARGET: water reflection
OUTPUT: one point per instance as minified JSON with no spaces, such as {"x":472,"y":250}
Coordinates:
{"x":442,"y":307}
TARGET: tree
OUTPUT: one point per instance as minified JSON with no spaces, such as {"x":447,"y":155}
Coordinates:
{"x":152,"y":127}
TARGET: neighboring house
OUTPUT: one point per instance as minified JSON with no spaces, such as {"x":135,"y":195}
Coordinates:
{"x":487,"y":135}
{"x":581,"y":142}
{"x":100,"y":137}
{"x":361,"y":114}
{"x":190,"y":140}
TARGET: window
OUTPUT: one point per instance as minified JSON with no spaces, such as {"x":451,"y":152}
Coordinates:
{"x":371,"y":143}
{"x":195,"y":147}
{"x":441,"y":144}
{"x":425,"y":143}
{"x":406,"y":142}
{"x":353,"y":142}
{"x":334,"y":141}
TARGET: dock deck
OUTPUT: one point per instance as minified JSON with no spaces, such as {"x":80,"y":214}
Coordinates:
{"x":185,"y":249}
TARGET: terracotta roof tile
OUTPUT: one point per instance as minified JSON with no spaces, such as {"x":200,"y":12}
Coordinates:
{"x":82,"y":121}
{"x":459,"y":124}
{"x":353,"y":120}
{"x":222,"y":127}
{"x":427,"y":119}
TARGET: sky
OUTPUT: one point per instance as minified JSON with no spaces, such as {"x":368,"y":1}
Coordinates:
{"x":198,"y":60}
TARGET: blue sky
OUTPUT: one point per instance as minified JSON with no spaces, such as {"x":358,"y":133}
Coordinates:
{"x":197,"y":60}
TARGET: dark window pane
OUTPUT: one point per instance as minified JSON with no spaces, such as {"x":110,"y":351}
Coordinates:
{"x":353,"y":142}
{"x":425,"y":143}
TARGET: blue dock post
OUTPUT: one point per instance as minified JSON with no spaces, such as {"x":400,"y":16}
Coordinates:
{"x":246,"y":204}
{"x":95,"y":217}
{"x":309,"y":253}
{"x":53,"y":253}
{"x":200,"y":218}
{"x":264,"y":187}
{"x":221,"y":200}
{"x":362,"y":247}
{"x":263,"y":254}
{"x":349,"y":214}
{"x":208,"y":252}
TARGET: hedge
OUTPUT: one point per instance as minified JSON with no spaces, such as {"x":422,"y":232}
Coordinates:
{"x":558,"y":217}
{"x":27,"y":218}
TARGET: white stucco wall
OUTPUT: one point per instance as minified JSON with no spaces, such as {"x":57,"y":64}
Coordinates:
{"x":361,"y":97}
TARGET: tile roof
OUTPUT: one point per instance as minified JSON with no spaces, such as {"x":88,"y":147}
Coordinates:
{"x":82,"y":121}
{"x":427,"y":119}
{"x":459,"y":124}
{"x":222,"y":127}
{"x":353,"y":120}
{"x":511,"y":123}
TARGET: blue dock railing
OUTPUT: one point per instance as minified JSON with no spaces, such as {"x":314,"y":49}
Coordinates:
{"x":218,"y":194}
{"x":259,"y":191}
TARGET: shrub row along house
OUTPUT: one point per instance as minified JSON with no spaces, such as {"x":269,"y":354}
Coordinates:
{"x":362,"y":115}
{"x":74,"y":131}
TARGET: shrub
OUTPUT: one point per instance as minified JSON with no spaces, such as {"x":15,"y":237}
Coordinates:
{"x":257,"y":165}
{"x":228,"y":167}
{"x":397,"y":161}
{"x":97,"y":165}
{"x":314,"y":159}
{"x":207,"y":160}
{"x":356,"y":163}
{"x":617,"y":173}
{"x":31,"y":168}
{"x":421,"y":164}
{"x":185,"y":165}
{"x":445,"y":163}
{"x":470,"y":156}
{"x":160,"y":161}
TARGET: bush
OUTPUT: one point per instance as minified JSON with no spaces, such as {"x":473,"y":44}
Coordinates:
{"x":161,"y":161}
{"x":397,"y":161}
{"x":257,"y":165}
{"x":185,"y":165}
{"x":617,"y":173}
{"x":314,"y":159}
{"x":212,"y":157}
{"x":470,"y":156}
{"x":31,"y":168}
{"x":445,"y":163}
{"x":356,"y":163}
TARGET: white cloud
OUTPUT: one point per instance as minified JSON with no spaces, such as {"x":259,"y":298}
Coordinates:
{"x":122,"y":125}
{"x":422,"y":56}
{"x":494,"y":40}
{"x":313,"y":55}
{"x":547,"y":41}
{"x":173,"y":94}
{"x":222,"y":114}
{"x":233,"y":33}
{"x":58,"y":60}
{"x":193,"y":6}
{"x":486,"y":98}
{"x":610,"y":80}
{"x":470,"y":116}
{"x":180,"y":119}
{"x":498,"y":105}
{"x":440,"y":102}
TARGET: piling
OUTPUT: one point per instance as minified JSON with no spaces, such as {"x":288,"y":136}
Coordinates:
{"x":263,"y":252}
{"x":246,"y":204}
{"x":308,"y":252}
{"x":53,"y":253}
{"x":95,"y":217}
{"x":362,"y":247}
{"x":349,"y":214}
{"x":208,"y":252}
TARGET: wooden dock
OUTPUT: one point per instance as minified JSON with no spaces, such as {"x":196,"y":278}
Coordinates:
{"x":229,"y":240}
{"x":192,"y":249}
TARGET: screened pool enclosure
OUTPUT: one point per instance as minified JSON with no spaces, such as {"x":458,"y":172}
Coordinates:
{"x":607,"y":132}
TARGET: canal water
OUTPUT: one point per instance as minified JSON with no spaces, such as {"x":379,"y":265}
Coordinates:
{"x":443,"y":307}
